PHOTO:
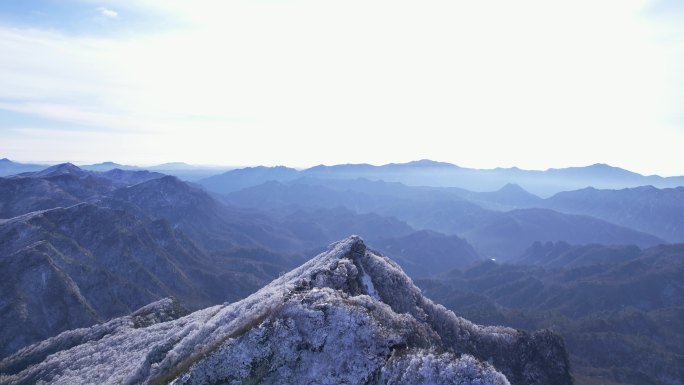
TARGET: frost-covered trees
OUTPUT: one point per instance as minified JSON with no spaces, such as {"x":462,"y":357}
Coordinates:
{"x":348,"y":316}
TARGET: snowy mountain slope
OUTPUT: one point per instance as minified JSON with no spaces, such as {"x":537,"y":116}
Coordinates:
{"x":349,"y":315}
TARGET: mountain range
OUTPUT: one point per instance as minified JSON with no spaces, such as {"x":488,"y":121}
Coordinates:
{"x":417,"y":173}
{"x":439,"y":174}
{"x":61,"y":185}
{"x":102,"y":244}
{"x":80,"y":247}
{"x":646,"y":208}
{"x":181,"y":170}
{"x":95,"y":255}
{"x":485,"y":220}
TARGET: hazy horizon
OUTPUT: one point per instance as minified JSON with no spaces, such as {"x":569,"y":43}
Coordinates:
{"x":298,"y":167}
{"x":530,"y":84}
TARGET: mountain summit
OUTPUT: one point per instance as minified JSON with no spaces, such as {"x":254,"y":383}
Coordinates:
{"x":348,"y":316}
{"x":61,"y":169}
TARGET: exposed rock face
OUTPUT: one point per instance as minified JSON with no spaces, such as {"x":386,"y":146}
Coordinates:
{"x":348,"y":316}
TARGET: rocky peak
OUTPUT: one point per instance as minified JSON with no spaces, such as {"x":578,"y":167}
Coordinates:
{"x":349,"y":315}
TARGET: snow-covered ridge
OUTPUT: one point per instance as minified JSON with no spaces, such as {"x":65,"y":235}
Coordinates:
{"x":349,"y":315}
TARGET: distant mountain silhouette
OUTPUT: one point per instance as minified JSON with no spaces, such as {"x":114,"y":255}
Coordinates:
{"x":187,"y":172}
{"x":437,"y":209}
{"x":498,"y":234}
{"x":107,"y":166}
{"x":417,"y":173}
{"x":437,"y":174}
{"x":510,"y":233}
{"x":646,"y":208}
{"x":235,"y":180}
{"x":174,"y":166}
{"x":353,"y":194}
{"x":510,"y":196}
{"x":218,"y":226}
{"x":8,"y":167}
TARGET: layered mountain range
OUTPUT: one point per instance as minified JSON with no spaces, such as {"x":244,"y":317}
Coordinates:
{"x":181,"y":170}
{"x":417,"y":173}
{"x":499,"y":224}
{"x":440,"y":174}
{"x":80,"y":247}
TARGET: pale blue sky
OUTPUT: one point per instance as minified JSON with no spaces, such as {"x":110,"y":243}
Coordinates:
{"x":531,"y":83}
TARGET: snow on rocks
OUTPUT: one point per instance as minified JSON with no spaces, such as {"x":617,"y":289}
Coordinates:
{"x":347,"y":316}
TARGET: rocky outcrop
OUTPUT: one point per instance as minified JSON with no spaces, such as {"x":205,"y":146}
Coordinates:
{"x":348,"y":316}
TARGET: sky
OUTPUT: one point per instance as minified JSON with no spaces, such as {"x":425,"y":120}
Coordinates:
{"x":492,"y":83}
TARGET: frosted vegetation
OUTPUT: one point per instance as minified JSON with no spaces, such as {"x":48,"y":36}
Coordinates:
{"x":348,"y":316}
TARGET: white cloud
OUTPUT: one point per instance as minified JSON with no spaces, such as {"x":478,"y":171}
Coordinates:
{"x":108,"y":12}
{"x":528,"y":83}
